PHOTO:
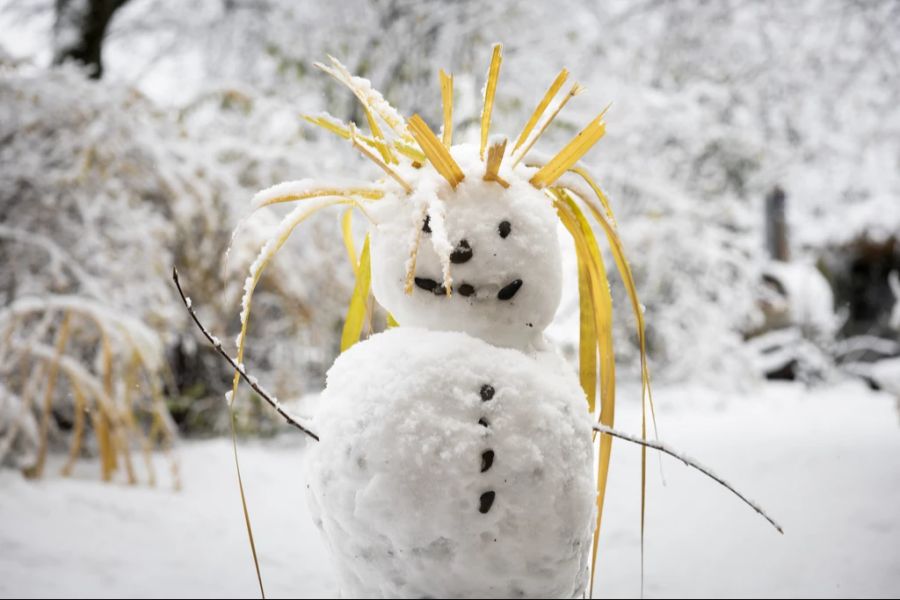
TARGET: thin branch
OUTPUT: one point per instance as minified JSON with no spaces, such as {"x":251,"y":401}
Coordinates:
{"x":292,"y":420}
{"x":251,"y":381}
{"x":665,"y":449}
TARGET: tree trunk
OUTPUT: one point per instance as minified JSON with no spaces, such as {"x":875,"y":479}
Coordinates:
{"x":79,"y":31}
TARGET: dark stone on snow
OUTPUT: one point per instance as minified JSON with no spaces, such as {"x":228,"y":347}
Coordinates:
{"x":487,"y":460}
{"x":486,"y":501}
{"x":509,"y":290}
{"x":462,"y":253}
{"x":428,"y":285}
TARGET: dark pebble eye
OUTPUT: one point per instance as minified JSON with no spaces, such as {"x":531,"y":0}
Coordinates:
{"x":462,"y":253}
{"x":505,"y":228}
{"x":426,"y":226}
{"x":466,"y":290}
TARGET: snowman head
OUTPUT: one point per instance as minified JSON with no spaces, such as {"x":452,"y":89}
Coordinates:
{"x":479,"y":256}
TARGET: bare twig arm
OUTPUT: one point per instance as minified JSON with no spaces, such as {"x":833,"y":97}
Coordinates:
{"x":272,"y":400}
{"x":661,"y":447}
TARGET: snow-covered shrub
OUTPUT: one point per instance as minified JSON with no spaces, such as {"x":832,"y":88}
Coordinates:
{"x":101,"y":193}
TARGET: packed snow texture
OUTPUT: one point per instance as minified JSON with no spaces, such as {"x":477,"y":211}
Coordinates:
{"x":504,"y":236}
{"x":451,"y":468}
{"x":831,"y":476}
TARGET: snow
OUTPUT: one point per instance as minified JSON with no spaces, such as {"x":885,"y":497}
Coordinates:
{"x":471,"y":212}
{"x":401,"y":487}
{"x":830,"y":475}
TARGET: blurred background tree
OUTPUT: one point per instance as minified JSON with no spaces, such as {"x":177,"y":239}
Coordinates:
{"x":715,"y":104}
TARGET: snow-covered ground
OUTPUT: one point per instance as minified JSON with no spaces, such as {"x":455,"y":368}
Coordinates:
{"x":825,"y":463}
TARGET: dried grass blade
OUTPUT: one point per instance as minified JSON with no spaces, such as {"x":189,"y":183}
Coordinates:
{"x":437,"y":154}
{"x":541,"y":107}
{"x":447,"y":105}
{"x":495,"y":157}
{"x":490,"y":90}
{"x":571,"y":153}
{"x":357,"y":311}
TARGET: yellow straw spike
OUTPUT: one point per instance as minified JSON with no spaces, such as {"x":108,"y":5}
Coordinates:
{"x":495,"y":157}
{"x":571,"y":154}
{"x":347,"y":234}
{"x":357,"y":311}
{"x":382,"y":148}
{"x":318,"y":192}
{"x":436,"y":152}
{"x":343,"y":130}
{"x":573,"y":91}
{"x":541,"y":107}
{"x":383,"y":165}
{"x":447,"y":104}
{"x":591,"y":263}
{"x":490,"y":89}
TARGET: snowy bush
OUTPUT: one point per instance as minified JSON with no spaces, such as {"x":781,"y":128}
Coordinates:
{"x":101,"y":194}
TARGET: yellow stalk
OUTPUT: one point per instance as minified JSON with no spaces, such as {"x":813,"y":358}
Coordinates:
{"x":359,"y":192}
{"x":52,"y":370}
{"x":414,"y":255}
{"x":436,"y":152}
{"x":604,"y":200}
{"x":447,"y":104}
{"x":571,"y":154}
{"x":573,"y":91}
{"x":541,"y":107}
{"x":384,"y":166}
{"x":78,"y":428}
{"x":490,"y":89}
{"x":290,"y":223}
{"x":385,"y":150}
{"x":347,"y":234}
{"x":591,"y":264}
{"x":368,"y":97}
{"x":357,"y":311}
{"x":341,"y":130}
{"x":495,"y":157}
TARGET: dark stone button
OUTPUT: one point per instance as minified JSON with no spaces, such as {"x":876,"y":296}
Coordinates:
{"x":483,"y":422}
{"x":509,"y":290}
{"x":504,"y":228}
{"x":486,"y":501}
{"x":487,"y":459}
{"x":487,"y":392}
{"x":426,"y":226}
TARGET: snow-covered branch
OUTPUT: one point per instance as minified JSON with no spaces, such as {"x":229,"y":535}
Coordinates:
{"x":665,"y":449}
{"x":251,"y":381}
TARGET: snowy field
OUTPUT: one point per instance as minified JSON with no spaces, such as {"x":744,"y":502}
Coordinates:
{"x":825,"y":463}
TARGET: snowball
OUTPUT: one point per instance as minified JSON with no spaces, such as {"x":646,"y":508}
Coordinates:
{"x":473,"y":214}
{"x":396,"y":483}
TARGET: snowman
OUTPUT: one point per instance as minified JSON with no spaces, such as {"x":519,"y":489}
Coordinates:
{"x":456,"y":451}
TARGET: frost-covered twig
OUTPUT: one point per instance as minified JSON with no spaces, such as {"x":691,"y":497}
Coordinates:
{"x":251,"y":381}
{"x":665,"y":449}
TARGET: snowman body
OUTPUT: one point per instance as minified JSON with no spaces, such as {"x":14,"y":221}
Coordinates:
{"x":456,"y":456}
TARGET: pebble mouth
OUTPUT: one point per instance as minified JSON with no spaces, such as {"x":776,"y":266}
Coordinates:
{"x":509,"y":290}
{"x":467,"y":290}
